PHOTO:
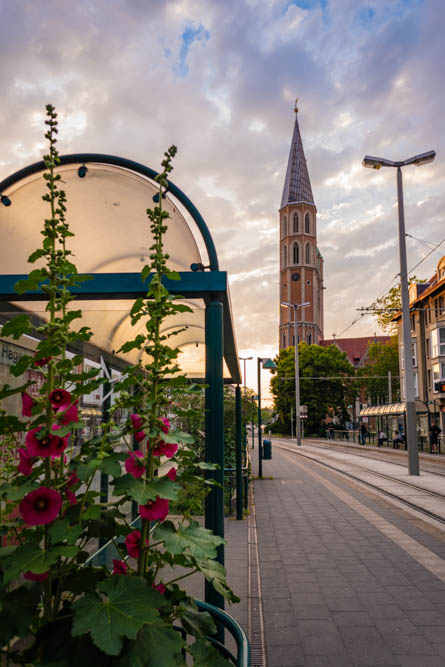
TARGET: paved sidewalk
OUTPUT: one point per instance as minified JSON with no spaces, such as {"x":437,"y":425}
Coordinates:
{"x":348,"y":579}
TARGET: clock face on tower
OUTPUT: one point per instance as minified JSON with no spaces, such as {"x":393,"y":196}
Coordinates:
{"x":295,"y":276}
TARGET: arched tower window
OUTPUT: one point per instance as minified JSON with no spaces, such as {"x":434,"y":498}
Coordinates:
{"x":284,"y":256}
{"x":296,"y":224}
{"x":307,"y":224}
{"x":284,"y":225}
{"x":284,"y":340}
{"x":307,"y":257}
{"x":309,"y":339}
{"x":296,"y":253}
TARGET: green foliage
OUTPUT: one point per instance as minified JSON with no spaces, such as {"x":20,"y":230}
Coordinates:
{"x":200,"y":541}
{"x":156,"y":644}
{"x":382,"y":357}
{"x":388,"y":305}
{"x":322,"y":396}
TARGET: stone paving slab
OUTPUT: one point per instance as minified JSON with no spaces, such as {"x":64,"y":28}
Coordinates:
{"x":339,"y":587}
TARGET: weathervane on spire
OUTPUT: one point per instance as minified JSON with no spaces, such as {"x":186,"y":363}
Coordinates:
{"x":295,"y":105}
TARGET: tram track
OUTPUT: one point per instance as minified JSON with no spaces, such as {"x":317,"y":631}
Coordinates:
{"x":367,"y":483}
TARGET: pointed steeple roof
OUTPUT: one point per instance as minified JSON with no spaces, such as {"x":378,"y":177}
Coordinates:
{"x":297,"y":186}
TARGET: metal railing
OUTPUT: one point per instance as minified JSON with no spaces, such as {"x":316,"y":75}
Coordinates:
{"x":423,"y":441}
{"x":224,"y":621}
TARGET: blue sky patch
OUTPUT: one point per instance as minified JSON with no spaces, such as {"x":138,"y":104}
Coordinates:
{"x":191,"y":34}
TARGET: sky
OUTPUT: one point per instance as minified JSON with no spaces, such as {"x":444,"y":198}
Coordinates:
{"x":219,"y":80}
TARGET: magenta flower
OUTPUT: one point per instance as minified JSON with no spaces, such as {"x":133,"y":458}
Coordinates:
{"x":120,"y":566}
{"x":60,"y":399}
{"x":26,"y":462}
{"x":167,"y":449}
{"x":71,"y":497}
{"x":71,"y":481}
{"x":133,"y":544}
{"x":136,"y":421}
{"x":165,"y":425}
{"x":39,"y":447}
{"x":40,"y":506}
{"x":58,"y":444}
{"x":70,"y":415}
{"x":27,"y":404}
{"x":171,"y":474}
{"x":159,"y":587}
{"x":139,"y":436}
{"x":41,"y":362}
{"x":134,"y":465}
{"x":32,"y":576}
{"x":155,"y":510}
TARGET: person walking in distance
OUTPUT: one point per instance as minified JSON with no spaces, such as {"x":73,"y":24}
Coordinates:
{"x":363,"y":433}
{"x":435,"y":432}
{"x":381,"y":439}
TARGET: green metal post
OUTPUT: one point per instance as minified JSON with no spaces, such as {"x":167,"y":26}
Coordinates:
{"x":260,"y":435}
{"x":214,"y":431}
{"x":238,"y":454}
{"x":253,"y":423}
{"x":106,"y":389}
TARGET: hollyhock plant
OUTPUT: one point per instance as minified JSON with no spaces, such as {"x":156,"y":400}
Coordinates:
{"x":26,"y":462}
{"x":39,"y":446}
{"x":43,"y":361}
{"x":167,"y":449}
{"x":171,"y":474}
{"x":71,"y":414}
{"x":27,"y":404}
{"x":160,"y":587}
{"x":155,"y":510}
{"x":58,"y":444}
{"x":165,"y":425}
{"x":134,"y":464}
{"x":133,"y":544}
{"x":40,"y":506}
{"x":119,"y":567}
{"x":139,"y":436}
{"x":32,"y":576}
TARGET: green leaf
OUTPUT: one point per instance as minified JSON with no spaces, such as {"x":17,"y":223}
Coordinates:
{"x":34,"y":256}
{"x":132,"y":344}
{"x":11,"y":424}
{"x":202,"y":465}
{"x":195,"y":622}
{"x":142,"y":491}
{"x":7,"y":551}
{"x":61,"y":530}
{"x":204,"y":655}
{"x":18,"y":609}
{"x":126,"y":604}
{"x":14,"y":493}
{"x":20,"y":325}
{"x":20,"y":367}
{"x":111,"y":464}
{"x":156,"y":645}
{"x":6,"y":390}
{"x":31,"y":557}
{"x":173,"y":275}
{"x":145,"y":273}
{"x":200,"y":541}
{"x":215,"y":573}
{"x":85,"y":470}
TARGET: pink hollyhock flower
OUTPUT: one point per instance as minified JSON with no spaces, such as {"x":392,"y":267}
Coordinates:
{"x":39,"y":447}
{"x":139,"y":436}
{"x":133,"y":544}
{"x":27,"y":404}
{"x":159,"y":587}
{"x":71,"y":481}
{"x":120,"y":566}
{"x":136,"y":421}
{"x":171,"y":474}
{"x":155,"y":510}
{"x":58,"y":444}
{"x":32,"y":576}
{"x":41,"y":362}
{"x":70,"y":415}
{"x":165,"y":425}
{"x":26,"y":462}
{"x":71,"y":497}
{"x":134,"y":465}
{"x":60,"y":399}
{"x":40,"y":506}
{"x":167,"y":449}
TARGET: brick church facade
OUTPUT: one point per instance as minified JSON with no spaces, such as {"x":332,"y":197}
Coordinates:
{"x":301,"y":264}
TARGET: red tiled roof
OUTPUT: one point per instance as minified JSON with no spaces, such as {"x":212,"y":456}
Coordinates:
{"x":355,"y":348}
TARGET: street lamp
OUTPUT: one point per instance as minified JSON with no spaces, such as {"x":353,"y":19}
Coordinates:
{"x":244,"y":359}
{"x":265,"y":363}
{"x":411,"y":432}
{"x":295,"y":307}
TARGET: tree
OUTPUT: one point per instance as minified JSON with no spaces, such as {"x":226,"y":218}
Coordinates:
{"x":386,"y":306}
{"x":324,"y":391}
{"x":382,"y":357}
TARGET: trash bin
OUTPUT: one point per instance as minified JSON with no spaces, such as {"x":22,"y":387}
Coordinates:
{"x":267,"y":449}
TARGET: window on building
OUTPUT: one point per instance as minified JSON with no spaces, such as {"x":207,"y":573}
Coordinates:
{"x":293,"y":340}
{"x":428,"y":347}
{"x":296,"y":223}
{"x":416,"y":384}
{"x":438,"y":342}
{"x":429,"y":377}
{"x":307,"y":224}
{"x":428,"y":314}
{"x":436,"y":375}
{"x":439,"y":306}
{"x":309,"y":339}
{"x":308,"y":253}
{"x":284,"y":340}
{"x":296,"y":253}
{"x":413,"y":322}
{"x":414,"y":352}
{"x":284,"y":256}
{"x":284,"y":225}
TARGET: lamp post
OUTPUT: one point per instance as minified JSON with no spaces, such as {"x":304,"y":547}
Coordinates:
{"x":410,"y":410}
{"x":295,"y":307}
{"x":264,"y":363}
{"x":244,"y":359}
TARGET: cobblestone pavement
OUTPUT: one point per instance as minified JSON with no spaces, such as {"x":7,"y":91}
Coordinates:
{"x":348,"y":579}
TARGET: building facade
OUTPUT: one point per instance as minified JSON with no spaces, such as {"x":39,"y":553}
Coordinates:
{"x":427,"y":317}
{"x":301,"y":264}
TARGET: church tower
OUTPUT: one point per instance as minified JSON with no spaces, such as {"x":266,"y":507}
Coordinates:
{"x":301,"y":264}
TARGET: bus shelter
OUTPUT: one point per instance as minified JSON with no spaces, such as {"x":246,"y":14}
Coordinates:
{"x":107,"y":198}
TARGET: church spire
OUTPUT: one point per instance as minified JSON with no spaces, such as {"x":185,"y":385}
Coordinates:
{"x":297,"y":186}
